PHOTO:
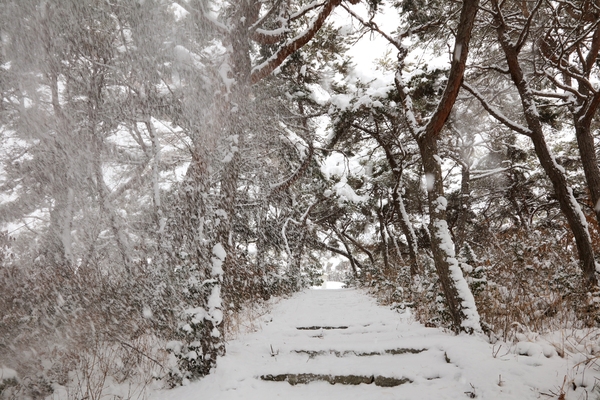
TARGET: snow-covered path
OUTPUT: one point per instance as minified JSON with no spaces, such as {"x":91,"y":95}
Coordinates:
{"x":335,"y":336}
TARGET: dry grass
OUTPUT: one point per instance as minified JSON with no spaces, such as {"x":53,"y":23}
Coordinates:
{"x":115,"y":371}
{"x":250,"y":318}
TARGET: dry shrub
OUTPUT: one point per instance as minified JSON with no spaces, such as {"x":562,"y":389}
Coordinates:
{"x":118,"y":371}
{"x":420,"y":294}
{"x":247,"y":295}
{"x":250,"y":294}
{"x":532,"y":281}
{"x":519,"y":279}
{"x":78,"y":330}
{"x":99,"y":333}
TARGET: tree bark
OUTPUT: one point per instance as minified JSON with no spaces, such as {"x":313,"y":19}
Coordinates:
{"x":589,"y":161}
{"x":583,"y":113}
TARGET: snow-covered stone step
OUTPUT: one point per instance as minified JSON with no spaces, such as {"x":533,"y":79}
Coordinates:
{"x":367,"y":342}
{"x":316,"y":328}
{"x":358,"y":353}
{"x":295,"y":379}
{"x":357,"y":334}
{"x":425,"y":365}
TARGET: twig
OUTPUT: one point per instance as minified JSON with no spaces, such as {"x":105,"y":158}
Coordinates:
{"x":125,"y":344}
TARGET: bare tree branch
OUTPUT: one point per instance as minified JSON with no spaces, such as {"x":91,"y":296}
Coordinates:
{"x":494,"y":112}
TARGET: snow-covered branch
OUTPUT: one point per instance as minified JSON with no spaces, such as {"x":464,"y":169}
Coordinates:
{"x":281,"y":186}
{"x":496,"y":113}
{"x":292,"y":45}
{"x":525,"y":31}
{"x":218,"y":26}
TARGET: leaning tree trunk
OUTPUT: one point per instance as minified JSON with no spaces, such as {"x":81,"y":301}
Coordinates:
{"x":587,"y":107}
{"x":589,"y":160}
{"x":460,"y":300}
{"x":587,"y":101}
{"x":570,"y":208}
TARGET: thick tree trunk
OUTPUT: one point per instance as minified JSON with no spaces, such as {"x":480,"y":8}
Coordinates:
{"x":58,"y":241}
{"x":232,"y":114}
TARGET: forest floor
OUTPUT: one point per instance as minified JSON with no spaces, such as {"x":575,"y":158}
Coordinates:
{"x":339,"y":344}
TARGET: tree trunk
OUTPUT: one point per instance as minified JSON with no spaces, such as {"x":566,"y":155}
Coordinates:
{"x":407,"y":229}
{"x":463,"y":207}
{"x":459,"y":298}
{"x":589,"y":160}
{"x":57,"y":249}
{"x":586,"y":110}
{"x":403,"y":219}
{"x":586,"y":102}
{"x":385,"y":251}
{"x":569,"y":206}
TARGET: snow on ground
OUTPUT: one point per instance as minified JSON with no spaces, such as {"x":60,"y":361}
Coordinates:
{"x":330,"y":285}
{"x":346,"y":325}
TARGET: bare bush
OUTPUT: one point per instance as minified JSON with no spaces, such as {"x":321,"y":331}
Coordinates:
{"x":81,"y":330}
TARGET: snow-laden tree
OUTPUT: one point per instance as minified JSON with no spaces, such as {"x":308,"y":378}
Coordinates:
{"x":202,"y":228}
{"x":425,"y":125}
{"x":567,"y":37}
{"x":513,"y":27}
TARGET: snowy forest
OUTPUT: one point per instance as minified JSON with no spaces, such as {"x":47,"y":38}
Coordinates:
{"x":168,"y":167}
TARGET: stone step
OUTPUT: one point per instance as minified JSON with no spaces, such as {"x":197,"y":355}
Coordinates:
{"x":346,"y":353}
{"x":316,"y":328}
{"x":296,"y":379}
{"x":294,"y":364}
